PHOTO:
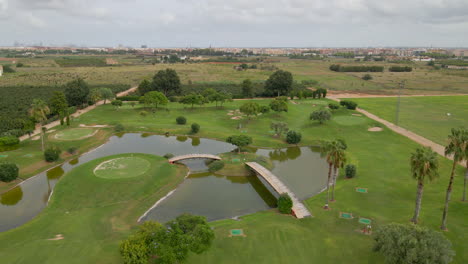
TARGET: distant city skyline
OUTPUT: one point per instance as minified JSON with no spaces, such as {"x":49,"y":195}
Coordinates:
{"x":235,"y":23}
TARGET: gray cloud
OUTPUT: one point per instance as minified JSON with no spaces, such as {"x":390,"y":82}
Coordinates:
{"x":236,"y":22}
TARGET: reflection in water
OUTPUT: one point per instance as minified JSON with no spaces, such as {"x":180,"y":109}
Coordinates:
{"x":55,"y":173}
{"x":195,"y":141}
{"x":12,"y":197}
{"x":181,"y":138}
{"x":74,"y":161}
{"x":145,"y":135}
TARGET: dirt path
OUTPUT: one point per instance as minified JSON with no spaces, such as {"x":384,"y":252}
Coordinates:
{"x":411,"y":135}
{"x":38,"y":129}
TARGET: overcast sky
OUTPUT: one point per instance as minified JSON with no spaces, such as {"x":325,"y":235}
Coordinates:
{"x":235,"y":23}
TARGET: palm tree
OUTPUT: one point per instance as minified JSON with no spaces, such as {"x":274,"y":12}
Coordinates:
{"x":466,"y":165}
{"x":334,"y":152}
{"x":457,"y":144}
{"x":424,"y":165}
{"x":339,"y":159}
{"x":39,"y":111}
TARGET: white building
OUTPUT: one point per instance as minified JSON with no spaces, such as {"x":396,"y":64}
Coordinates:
{"x":1,"y":70}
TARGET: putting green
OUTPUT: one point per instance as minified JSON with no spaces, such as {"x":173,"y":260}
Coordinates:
{"x":349,"y":120}
{"x":75,"y":133}
{"x":124,"y":167}
{"x":365,"y":221}
{"x":346,"y":215}
{"x":236,"y":232}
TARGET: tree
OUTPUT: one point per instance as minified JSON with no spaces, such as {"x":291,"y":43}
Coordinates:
{"x":167,"y":81}
{"x":279,"y":83}
{"x":247,"y":88}
{"x":52,"y":154}
{"x":181,"y":120}
{"x":424,"y":165}
{"x":250,"y":109}
{"x":155,"y":99}
{"x":285,"y":203}
{"x":293,"y":137}
{"x":466,"y":175}
{"x":279,"y":105}
{"x":39,"y":110}
{"x":195,"y":128}
{"x":117,"y":103}
{"x":192,"y":99}
{"x":144,"y":87}
{"x":457,"y":145}
{"x":412,"y":244}
{"x":239,"y":141}
{"x":106,"y":94}
{"x":58,"y":103}
{"x":321,"y":115}
{"x":94,"y":96}
{"x":76,"y":92}
{"x":279,"y":128}
{"x":367,"y":77}
{"x":8,"y":172}
{"x":338,"y":158}
{"x":335,"y":157}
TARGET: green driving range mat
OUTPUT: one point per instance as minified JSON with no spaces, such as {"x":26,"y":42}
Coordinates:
{"x":346,"y":215}
{"x":365,"y":221}
{"x":361,"y":190}
{"x":236,"y":232}
{"x":3,"y":156}
{"x":235,"y":160}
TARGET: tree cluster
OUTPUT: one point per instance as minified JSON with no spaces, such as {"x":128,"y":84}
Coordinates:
{"x":400,"y":69}
{"x":355,"y":68}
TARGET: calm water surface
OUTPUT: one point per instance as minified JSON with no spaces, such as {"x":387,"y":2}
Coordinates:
{"x":202,"y":193}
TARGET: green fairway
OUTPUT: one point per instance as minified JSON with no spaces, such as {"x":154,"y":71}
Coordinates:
{"x":93,"y":214}
{"x":430,"y":116}
{"x":125,"y":167}
{"x":75,"y":133}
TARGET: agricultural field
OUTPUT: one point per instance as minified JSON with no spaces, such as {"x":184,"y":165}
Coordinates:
{"x":96,"y":213}
{"x":429,"y":116}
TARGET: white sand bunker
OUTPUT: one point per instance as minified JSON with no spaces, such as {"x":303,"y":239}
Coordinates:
{"x":375,"y":129}
{"x":83,"y":125}
{"x":236,"y":117}
{"x":57,"y":237}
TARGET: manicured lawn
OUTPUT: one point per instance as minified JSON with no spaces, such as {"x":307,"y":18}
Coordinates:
{"x":74,"y":133}
{"x":431,"y":117}
{"x":93,"y":214}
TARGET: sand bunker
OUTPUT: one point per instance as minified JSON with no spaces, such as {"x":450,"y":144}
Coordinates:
{"x":375,"y":129}
{"x":57,"y":237}
{"x":83,"y":125}
{"x":236,"y":117}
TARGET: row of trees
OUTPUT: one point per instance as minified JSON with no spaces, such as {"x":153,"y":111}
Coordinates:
{"x":356,"y":68}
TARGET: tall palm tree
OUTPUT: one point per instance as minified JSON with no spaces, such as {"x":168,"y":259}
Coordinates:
{"x":466,"y":165}
{"x":39,"y":111}
{"x":424,"y":165}
{"x":338,"y":159}
{"x":334,"y":153}
{"x":457,"y":144}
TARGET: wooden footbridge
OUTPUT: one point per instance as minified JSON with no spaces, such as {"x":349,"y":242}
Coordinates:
{"x":193,"y":156}
{"x":299,"y":209}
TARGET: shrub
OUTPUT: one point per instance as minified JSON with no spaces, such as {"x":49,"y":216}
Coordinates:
{"x":8,"y":172}
{"x":367,"y":77}
{"x":117,"y":103}
{"x":168,"y":155}
{"x":119,"y":128}
{"x":195,"y":128}
{"x":350,"y":171}
{"x":143,"y":113}
{"x":181,"y":120}
{"x":293,"y":137}
{"x":216,"y":165}
{"x":19,"y":65}
{"x":129,"y":98}
{"x":52,"y":154}
{"x":72,"y":150}
{"x":321,"y":115}
{"x":9,"y":141}
{"x":285,"y":204}
{"x":333,"y":106}
{"x":264,"y":109}
{"x":400,"y":69}
{"x":349,"y":104}
{"x":8,"y":69}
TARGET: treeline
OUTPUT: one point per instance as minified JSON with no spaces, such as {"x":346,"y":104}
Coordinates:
{"x":356,"y":68}
{"x":400,"y":69}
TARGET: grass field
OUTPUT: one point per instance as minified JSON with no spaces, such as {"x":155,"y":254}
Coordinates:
{"x":125,"y":167}
{"x":426,"y":116}
{"x":94,"y":223}
{"x":74,"y":133}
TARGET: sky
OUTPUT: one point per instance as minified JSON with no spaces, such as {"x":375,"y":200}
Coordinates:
{"x":235,"y":23}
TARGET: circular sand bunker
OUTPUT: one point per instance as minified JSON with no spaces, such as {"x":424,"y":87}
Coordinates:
{"x":75,"y":133}
{"x":125,"y":167}
{"x":375,"y":129}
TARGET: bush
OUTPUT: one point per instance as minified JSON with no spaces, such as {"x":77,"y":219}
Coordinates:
{"x":356,"y":68}
{"x":117,"y":103}
{"x":350,"y":171}
{"x":349,"y":104}
{"x":367,"y":77}
{"x":264,"y":109}
{"x":400,"y":69}
{"x":168,"y":155}
{"x":333,"y":106}
{"x":216,"y":165}
{"x":9,"y":141}
{"x":321,"y":115}
{"x":19,"y":65}
{"x":8,"y":172}
{"x":72,"y":150}
{"x":143,"y":113}
{"x":285,"y":204}
{"x":181,"y":120}
{"x":129,"y":98}
{"x":119,"y":128}
{"x":8,"y":69}
{"x":52,"y":154}
{"x":195,"y":128}
{"x":293,"y":137}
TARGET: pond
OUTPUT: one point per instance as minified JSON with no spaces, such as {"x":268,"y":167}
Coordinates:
{"x":202,"y":193}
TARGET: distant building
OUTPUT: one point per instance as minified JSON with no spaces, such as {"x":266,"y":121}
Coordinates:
{"x":1,"y":70}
